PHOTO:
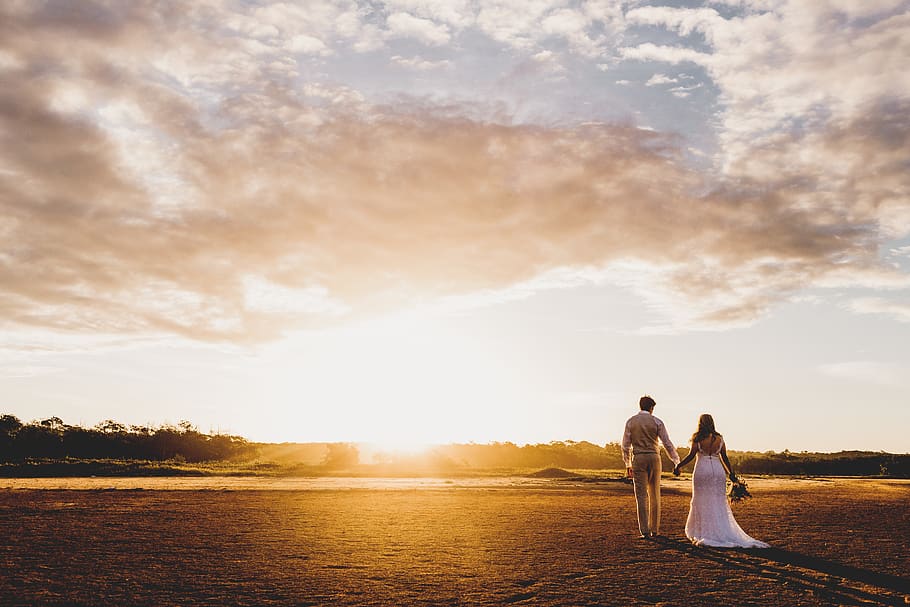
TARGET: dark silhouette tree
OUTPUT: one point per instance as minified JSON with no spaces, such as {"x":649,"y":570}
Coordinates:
{"x":110,"y":426}
{"x":53,"y":439}
{"x":54,"y":424}
{"x":9,"y":424}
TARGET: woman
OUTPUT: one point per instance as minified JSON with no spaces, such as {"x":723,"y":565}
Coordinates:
{"x":711,"y":521}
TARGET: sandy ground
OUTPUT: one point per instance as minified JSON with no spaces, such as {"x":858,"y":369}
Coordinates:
{"x":439,"y":542}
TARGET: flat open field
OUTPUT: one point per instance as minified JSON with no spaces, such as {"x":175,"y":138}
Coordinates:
{"x":434,"y":542}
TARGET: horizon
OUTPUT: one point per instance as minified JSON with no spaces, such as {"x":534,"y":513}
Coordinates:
{"x":420,"y":221}
{"x":400,"y":449}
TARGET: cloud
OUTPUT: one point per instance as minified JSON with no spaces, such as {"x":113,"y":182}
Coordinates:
{"x":218,"y":194}
{"x":684,"y":91}
{"x":813,"y":111}
{"x":573,"y":26}
{"x":683,"y":20}
{"x":565,"y":22}
{"x":549,"y":61}
{"x":657,"y":79}
{"x":419,"y":63}
{"x":867,"y":372}
{"x":807,"y":67}
{"x":513,"y":22}
{"x":339,"y":212}
{"x":586,"y":27}
{"x":456,"y":13}
{"x":404,"y":25}
{"x":302,"y":43}
{"x":669,"y":54}
{"x":848,"y":172}
{"x":898,"y":310}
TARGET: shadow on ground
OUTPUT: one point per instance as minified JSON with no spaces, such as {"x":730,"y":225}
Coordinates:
{"x":835,"y":582}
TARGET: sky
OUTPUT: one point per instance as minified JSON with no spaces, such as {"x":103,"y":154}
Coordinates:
{"x":420,"y":221}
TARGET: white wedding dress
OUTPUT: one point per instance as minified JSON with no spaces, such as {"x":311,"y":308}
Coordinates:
{"x":711,"y":521}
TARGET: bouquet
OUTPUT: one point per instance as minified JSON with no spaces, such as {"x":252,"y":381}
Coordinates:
{"x":739,"y":491}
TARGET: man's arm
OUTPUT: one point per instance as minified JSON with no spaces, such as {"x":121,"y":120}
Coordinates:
{"x":667,"y":443}
{"x":627,"y":447}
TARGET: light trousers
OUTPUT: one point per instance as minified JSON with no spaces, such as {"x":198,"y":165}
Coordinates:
{"x":646,"y":481}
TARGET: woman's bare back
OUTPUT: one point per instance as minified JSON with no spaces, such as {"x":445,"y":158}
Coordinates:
{"x":710,"y":445}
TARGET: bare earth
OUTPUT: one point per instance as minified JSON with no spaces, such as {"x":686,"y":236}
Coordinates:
{"x":437,"y":542}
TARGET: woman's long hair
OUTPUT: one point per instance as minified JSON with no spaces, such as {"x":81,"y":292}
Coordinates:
{"x":705,"y":428}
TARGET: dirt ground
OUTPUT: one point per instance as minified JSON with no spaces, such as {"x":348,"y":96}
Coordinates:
{"x":835,"y":542}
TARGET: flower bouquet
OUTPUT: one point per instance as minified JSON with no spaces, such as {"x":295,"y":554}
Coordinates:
{"x":739,"y":491}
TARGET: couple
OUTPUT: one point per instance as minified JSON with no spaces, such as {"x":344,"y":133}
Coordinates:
{"x":710,"y":521}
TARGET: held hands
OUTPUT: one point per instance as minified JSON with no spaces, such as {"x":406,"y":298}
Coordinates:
{"x":676,"y":470}
{"x":629,"y":472}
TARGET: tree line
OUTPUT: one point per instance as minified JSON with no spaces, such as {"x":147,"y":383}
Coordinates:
{"x":53,"y":439}
{"x":583,"y":455}
{"x":843,"y":463}
{"x":586,"y":455}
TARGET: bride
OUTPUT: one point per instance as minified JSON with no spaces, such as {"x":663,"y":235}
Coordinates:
{"x":711,"y":521}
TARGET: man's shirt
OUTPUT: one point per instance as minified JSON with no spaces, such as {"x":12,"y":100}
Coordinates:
{"x":643,"y":431}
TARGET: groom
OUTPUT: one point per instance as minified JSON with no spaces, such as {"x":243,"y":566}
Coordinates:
{"x":641,"y":453}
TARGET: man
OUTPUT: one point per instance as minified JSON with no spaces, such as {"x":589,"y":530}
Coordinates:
{"x":641,"y":453}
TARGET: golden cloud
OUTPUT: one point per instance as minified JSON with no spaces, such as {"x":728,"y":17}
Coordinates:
{"x":219,"y":201}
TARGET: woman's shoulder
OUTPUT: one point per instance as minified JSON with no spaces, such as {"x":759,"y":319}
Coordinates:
{"x":718,"y":443}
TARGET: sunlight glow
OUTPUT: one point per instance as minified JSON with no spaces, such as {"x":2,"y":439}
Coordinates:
{"x":401,"y":382}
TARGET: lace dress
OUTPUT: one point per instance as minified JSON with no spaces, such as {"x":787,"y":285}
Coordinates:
{"x":711,"y":521}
